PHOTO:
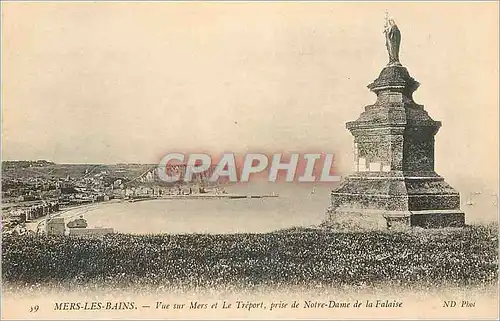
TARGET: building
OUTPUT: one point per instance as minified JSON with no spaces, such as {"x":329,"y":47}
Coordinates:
{"x":55,"y":226}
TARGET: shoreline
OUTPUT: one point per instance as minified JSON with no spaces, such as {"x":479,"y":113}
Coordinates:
{"x":201,"y":196}
{"x":71,"y":212}
{"x":67,"y":212}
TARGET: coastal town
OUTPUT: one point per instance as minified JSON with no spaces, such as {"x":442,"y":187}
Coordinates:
{"x":35,"y":193}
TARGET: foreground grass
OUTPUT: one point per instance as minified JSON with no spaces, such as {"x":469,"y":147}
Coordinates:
{"x":459,"y":257}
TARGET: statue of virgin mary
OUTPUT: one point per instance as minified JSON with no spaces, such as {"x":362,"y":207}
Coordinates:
{"x":392,"y":42}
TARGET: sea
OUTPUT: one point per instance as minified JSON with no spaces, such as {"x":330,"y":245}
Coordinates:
{"x":296,"y":206}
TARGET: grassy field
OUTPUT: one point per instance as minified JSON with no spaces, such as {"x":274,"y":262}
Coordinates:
{"x":458,"y":257}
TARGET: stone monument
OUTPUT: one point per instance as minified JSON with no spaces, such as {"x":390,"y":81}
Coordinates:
{"x":394,"y":182}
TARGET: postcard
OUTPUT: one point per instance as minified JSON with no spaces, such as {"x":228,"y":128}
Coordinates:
{"x":249,"y":160}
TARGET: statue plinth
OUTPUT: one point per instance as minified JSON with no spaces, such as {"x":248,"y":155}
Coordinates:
{"x":394,"y":182}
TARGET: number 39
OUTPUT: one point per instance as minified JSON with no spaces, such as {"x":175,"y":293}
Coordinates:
{"x":34,"y":308}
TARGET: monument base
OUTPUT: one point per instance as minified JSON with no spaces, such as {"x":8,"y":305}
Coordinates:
{"x":394,"y":185}
{"x":394,"y":202}
{"x":437,"y":219}
{"x":356,"y":220}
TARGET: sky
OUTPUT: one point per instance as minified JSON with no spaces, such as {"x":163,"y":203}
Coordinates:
{"x":129,"y":82}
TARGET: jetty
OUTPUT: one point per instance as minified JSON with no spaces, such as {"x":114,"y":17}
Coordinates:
{"x":199,"y":197}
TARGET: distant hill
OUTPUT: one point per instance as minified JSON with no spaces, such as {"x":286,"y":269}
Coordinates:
{"x":25,"y":164}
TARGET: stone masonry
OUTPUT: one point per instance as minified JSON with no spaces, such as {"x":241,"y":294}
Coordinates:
{"x":394,"y":182}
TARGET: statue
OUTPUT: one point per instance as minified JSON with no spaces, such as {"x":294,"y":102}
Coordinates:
{"x":392,"y":41}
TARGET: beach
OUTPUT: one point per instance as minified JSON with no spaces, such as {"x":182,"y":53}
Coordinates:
{"x":296,"y":206}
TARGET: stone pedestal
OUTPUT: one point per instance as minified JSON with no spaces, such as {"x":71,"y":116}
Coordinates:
{"x":394,"y":181}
